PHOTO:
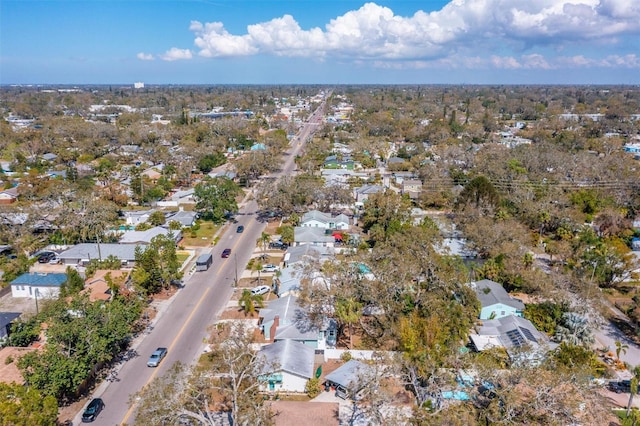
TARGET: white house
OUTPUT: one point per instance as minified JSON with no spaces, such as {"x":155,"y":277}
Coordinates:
{"x":288,"y":366}
{"x":136,"y":217}
{"x":312,"y":236}
{"x":38,"y":285}
{"x":317,"y":219}
{"x":518,"y":336}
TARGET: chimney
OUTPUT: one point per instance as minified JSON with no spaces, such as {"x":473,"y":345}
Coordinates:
{"x":274,"y":327}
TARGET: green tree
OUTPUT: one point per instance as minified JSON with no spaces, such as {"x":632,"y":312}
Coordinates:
{"x":480,"y":194}
{"x":211,"y":161}
{"x":156,"y":218}
{"x":620,"y":348}
{"x":216,"y":197}
{"x":348,"y":312}
{"x":286,"y":234}
{"x":156,"y":265}
{"x":249,"y":301}
{"x":385,"y":213}
{"x":263,"y":241}
{"x":25,"y":406}
{"x":74,"y":283}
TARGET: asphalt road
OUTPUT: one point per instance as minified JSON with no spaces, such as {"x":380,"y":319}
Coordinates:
{"x":181,"y":325}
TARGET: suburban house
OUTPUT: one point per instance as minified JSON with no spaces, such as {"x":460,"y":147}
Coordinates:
{"x":184,"y":218}
{"x":350,"y":378}
{"x":288,"y":366}
{"x":97,"y":286}
{"x":38,"y":285}
{"x":145,"y":237}
{"x":312,"y":236}
{"x":317,"y":219}
{"x":183,"y":197}
{"x":153,"y":173}
{"x":339,"y":176}
{"x":308,"y":252}
{"x":412,"y":187}
{"x":6,"y":319}
{"x":49,"y":156}
{"x":8,"y":196}
{"x":517,"y":335}
{"x":288,"y":283}
{"x":362,"y":193}
{"x":284,"y":319}
{"x":136,"y":217}
{"x":85,"y":252}
{"x":495,"y":301}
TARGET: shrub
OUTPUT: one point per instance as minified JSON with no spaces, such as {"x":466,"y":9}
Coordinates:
{"x":313,"y":387}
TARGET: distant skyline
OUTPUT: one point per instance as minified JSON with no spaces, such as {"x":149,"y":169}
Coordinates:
{"x":320,"y":42}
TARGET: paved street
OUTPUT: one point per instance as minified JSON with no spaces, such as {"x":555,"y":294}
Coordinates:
{"x":181,"y":323}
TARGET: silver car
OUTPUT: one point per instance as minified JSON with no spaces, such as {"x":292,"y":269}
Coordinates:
{"x":156,"y":357}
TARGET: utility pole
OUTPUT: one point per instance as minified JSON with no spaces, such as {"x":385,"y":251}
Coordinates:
{"x":235,"y":258}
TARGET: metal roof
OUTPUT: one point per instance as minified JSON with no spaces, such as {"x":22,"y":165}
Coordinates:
{"x":290,"y":356}
{"x":351,"y":374}
{"x":40,"y":279}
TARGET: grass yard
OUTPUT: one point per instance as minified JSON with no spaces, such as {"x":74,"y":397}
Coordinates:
{"x":203,"y":236}
{"x":182,"y":256}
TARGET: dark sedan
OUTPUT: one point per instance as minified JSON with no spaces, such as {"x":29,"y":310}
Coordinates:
{"x":93,"y":409}
{"x":226,"y":252}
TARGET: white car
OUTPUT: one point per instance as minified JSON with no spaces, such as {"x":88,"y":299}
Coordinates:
{"x":261,"y":289}
{"x":270,"y":268}
{"x":54,"y":261}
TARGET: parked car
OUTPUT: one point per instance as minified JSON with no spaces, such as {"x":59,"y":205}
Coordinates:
{"x":226,"y":253}
{"x":270,"y":268}
{"x":157,"y":356}
{"x":45,"y":256}
{"x":278,"y":245}
{"x":93,"y":409}
{"x":261,"y":289}
{"x":54,"y":260}
{"x":240,"y":229}
{"x":622,"y":386}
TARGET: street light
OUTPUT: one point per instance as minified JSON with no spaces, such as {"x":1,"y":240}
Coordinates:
{"x":235,"y":258}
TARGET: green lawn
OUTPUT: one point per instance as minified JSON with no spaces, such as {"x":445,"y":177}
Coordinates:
{"x":203,"y":236}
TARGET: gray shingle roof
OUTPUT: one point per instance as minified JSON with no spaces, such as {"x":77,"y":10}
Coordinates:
{"x":90,"y":251}
{"x":291,"y":356}
{"x":352,"y":374}
{"x":311,"y":235}
{"x":286,"y":308}
{"x":490,"y":293}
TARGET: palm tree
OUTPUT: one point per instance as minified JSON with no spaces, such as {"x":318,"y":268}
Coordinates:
{"x":249,"y":301}
{"x":574,"y":330}
{"x":621,"y":347}
{"x":264,"y":240}
{"x":348,"y":311}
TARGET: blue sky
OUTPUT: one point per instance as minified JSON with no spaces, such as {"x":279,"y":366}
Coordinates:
{"x":320,"y":41}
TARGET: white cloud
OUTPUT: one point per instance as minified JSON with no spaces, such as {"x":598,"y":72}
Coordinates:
{"x":500,"y":33}
{"x":175,"y":54}
{"x":145,"y":56}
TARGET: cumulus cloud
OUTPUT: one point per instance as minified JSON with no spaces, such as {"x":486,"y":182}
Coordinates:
{"x":175,"y":54}
{"x":461,"y":29}
{"x":145,"y":56}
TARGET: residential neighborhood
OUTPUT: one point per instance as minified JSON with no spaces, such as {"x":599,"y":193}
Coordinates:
{"x":453,"y":261}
